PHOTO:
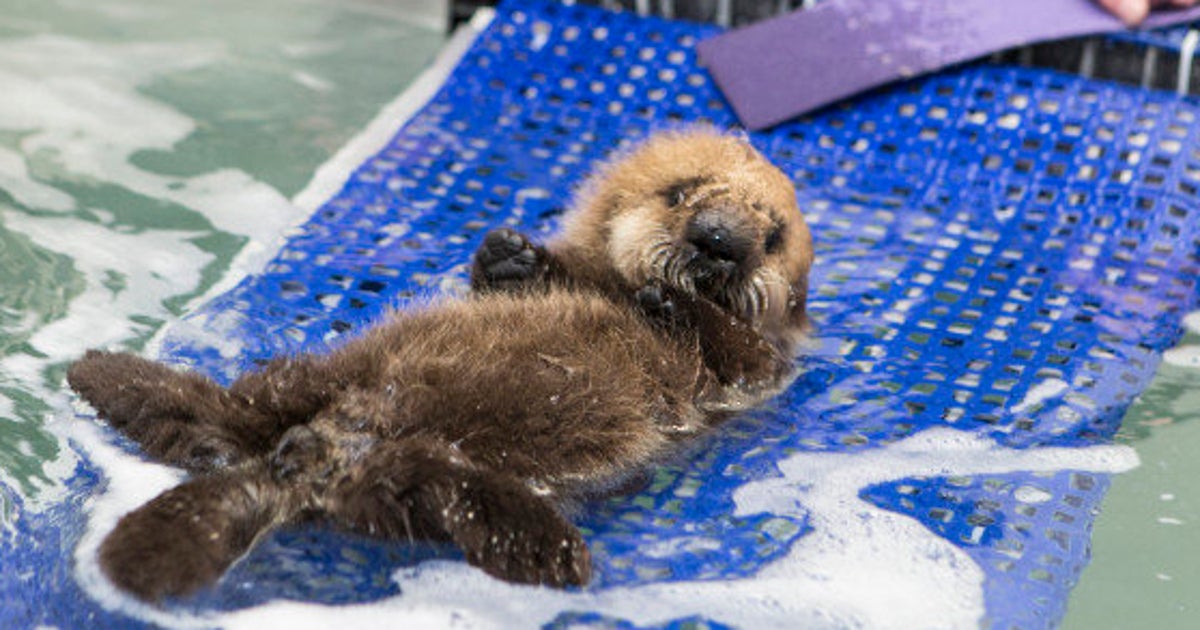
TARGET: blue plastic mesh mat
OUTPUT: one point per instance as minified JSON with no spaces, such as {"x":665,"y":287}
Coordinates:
{"x":982,"y":236}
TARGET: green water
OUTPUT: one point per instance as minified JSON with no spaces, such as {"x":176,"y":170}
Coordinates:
{"x":1145,"y":572}
{"x":143,"y":145}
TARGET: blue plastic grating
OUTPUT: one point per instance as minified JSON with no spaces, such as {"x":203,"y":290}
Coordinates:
{"x":1029,"y":532}
{"x":1170,"y":38}
{"x":981,"y":235}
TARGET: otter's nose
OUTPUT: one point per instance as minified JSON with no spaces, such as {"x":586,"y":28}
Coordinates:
{"x":718,"y":241}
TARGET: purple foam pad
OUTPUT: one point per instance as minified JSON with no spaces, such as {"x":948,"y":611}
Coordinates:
{"x":784,"y":67}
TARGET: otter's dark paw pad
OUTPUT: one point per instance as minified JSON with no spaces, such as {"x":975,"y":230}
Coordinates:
{"x":506,"y":256}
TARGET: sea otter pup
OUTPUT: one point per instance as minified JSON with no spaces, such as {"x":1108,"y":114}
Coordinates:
{"x":673,"y":296}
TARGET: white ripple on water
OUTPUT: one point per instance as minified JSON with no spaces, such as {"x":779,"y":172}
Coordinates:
{"x":16,"y":180}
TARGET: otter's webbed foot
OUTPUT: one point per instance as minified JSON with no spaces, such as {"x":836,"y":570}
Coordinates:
{"x":655,"y":303}
{"x":507,"y":260}
{"x":176,"y":417}
{"x":425,"y":490}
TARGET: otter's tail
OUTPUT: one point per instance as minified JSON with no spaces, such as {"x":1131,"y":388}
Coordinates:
{"x":186,"y":537}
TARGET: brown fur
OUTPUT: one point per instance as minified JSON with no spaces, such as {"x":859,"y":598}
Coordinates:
{"x":483,"y":421}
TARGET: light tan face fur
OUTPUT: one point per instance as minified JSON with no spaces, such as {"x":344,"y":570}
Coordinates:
{"x":642,"y":210}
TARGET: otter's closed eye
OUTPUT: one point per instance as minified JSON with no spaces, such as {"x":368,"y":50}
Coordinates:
{"x":677,"y":193}
{"x":774,"y":239}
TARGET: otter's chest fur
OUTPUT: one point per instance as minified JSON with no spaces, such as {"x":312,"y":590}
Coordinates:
{"x":563,"y":390}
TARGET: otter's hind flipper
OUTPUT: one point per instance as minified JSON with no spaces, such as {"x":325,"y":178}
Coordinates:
{"x":185,"y":538}
{"x":176,"y":417}
{"x":424,"y":490}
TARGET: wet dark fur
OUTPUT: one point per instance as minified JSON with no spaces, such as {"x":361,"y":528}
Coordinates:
{"x":480,"y":421}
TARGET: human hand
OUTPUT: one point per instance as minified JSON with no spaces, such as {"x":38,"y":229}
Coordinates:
{"x":1133,"y":12}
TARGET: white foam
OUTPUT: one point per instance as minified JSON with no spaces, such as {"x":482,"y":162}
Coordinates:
{"x":300,"y":615}
{"x":1045,"y":390}
{"x":1187,"y":354}
{"x":1191,"y":322}
{"x":1031,"y":494}
{"x":1183,"y":356}
{"x":332,"y":175}
{"x":76,"y":106}
{"x":166,"y":265}
{"x":83,"y":100}
{"x":17,"y":182}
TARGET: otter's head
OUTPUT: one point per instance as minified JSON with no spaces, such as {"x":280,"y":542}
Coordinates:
{"x":708,"y":214}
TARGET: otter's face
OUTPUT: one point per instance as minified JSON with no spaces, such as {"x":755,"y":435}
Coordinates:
{"x":706,"y":213}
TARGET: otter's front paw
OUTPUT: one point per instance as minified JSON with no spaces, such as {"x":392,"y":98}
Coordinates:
{"x":665,"y":306}
{"x":505,"y":260}
{"x":655,"y":302}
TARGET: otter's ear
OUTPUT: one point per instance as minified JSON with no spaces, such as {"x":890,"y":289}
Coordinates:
{"x":743,"y":139}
